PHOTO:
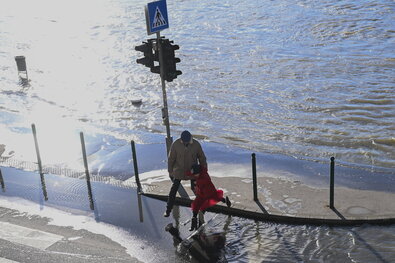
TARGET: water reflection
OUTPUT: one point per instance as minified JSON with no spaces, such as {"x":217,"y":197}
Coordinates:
{"x":141,"y":215}
{"x":250,"y":241}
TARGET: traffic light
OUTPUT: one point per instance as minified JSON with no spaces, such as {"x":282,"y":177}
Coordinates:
{"x":151,"y":54}
{"x":155,"y":69}
{"x":148,"y":59}
{"x":169,"y":60}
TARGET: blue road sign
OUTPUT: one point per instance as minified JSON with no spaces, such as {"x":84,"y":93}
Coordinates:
{"x":156,"y":16}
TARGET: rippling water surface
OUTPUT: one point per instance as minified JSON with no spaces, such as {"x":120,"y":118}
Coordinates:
{"x":303,"y":78}
{"x":265,"y":242}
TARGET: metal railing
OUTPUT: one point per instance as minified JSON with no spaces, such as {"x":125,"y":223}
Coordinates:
{"x":42,"y":170}
{"x":331,"y":182}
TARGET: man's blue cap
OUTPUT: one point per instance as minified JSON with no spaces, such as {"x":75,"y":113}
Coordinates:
{"x":186,"y":136}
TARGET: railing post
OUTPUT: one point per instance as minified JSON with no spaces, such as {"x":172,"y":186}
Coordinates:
{"x":40,"y":168}
{"x":2,"y":181}
{"x":332,"y":183}
{"x":136,"y":169}
{"x":88,"y":180}
{"x":254,"y":184}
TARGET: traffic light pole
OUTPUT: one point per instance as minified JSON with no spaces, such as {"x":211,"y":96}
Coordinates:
{"x":165,"y":111}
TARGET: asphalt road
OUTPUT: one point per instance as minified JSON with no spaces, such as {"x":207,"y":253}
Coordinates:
{"x":26,"y":238}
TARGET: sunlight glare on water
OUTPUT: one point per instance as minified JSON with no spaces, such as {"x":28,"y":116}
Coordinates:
{"x":311,"y":79}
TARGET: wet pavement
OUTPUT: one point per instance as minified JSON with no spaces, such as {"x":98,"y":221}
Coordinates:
{"x":286,"y":201}
{"x":127,"y":227}
{"x":290,"y":191}
{"x":65,"y":229}
{"x":26,"y":238}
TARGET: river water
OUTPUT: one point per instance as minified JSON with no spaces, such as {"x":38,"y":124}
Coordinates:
{"x":309,"y":79}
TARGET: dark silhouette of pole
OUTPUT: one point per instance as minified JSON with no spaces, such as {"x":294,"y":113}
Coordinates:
{"x":2,"y":181}
{"x":254,"y":184}
{"x":165,"y":110}
{"x":40,"y":168}
{"x":136,"y":169}
{"x":88,"y":180}
{"x":140,"y":205}
{"x":332,"y":183}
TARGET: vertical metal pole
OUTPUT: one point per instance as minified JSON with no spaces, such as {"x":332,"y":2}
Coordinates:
{"x":88,"y":180}
{"x":136,"y":169}
{"x":140,"y":205}
{"x":165,"y":111}
{"x":332,"y":183}
{"x":254,"y":184}
{"x":40,"y":168}
{"x":2,"y":181}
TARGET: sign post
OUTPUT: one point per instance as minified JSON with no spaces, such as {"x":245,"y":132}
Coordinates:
{"x":165,"y":111}
{"x":157,"y":20}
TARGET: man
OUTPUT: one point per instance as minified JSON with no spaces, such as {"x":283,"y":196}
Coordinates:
{"x":184,"y":152}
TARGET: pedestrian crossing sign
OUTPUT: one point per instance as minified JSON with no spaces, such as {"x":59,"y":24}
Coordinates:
{"x":156,"y":16}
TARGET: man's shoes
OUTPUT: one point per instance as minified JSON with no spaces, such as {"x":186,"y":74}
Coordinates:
{"x":228,"y":202}
{"x":167,"y":213}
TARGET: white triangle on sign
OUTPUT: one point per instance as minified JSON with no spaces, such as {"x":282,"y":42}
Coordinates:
{"x":159,"y":20}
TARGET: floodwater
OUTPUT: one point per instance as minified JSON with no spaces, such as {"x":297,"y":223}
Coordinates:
{"x":311,"y":79}
{"x":298,"y":79}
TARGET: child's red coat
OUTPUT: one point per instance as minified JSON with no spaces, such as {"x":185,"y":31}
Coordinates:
{"x":206,"y":193}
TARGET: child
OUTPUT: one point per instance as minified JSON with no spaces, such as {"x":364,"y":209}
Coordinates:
{"x":206,"y":193}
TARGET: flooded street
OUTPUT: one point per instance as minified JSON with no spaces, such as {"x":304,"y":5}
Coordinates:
{"x":294,"y":81}
{"x":140,"y":230}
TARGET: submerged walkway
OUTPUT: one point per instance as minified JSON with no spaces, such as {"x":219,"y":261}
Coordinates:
{"x":291,"y":202}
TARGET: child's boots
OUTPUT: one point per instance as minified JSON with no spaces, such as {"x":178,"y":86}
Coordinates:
{"x":228,"y":202}
{"x":201,"y":218}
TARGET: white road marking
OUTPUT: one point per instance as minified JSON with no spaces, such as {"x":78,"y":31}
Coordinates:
{"x":4,"y":260}
{"x":27,"y":236}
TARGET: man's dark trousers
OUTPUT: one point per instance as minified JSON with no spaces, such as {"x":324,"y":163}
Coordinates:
{"x":173,"y":192}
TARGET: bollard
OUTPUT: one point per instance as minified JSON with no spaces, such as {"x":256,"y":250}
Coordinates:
{"x":88,"y":180}
{"x":2,"y":181}
{"x":40,"y":168}
{"x":21,"y":65}
{"x":136,"y":169}
{"x":332,"y":183}
{"x":254,"y":184}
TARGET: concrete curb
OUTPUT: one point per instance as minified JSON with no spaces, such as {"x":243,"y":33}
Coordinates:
{"x":278,"y":218}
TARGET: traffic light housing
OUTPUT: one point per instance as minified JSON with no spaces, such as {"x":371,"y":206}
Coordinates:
{"x":169,"y":60}
{"x":149,"y":57}
{"x":151,"y":54}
